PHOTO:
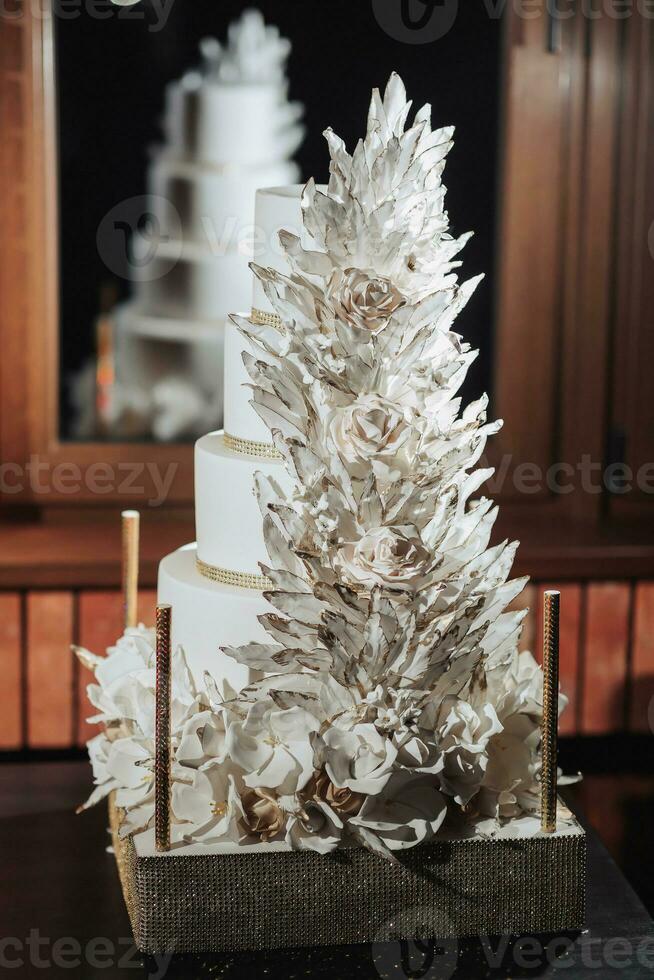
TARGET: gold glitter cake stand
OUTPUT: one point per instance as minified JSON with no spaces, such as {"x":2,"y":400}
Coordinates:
{"x":267,"y":898}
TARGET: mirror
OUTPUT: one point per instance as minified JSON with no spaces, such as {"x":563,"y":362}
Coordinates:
{"x":147,"y":273}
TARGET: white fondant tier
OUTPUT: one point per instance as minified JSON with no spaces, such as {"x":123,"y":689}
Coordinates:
{"x":207,"y":616}
{"x":275,"y":208}
{"x":211,"y":206}
{"x":241,"y":420}
{"x":228,"y":521}
{"x":190,"y":281}
{"x":231,"y":123}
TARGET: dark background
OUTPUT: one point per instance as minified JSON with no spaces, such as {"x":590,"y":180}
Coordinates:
{"x":112,"y":71}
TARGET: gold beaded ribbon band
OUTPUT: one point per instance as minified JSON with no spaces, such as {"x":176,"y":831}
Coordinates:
{"x":244,"y":580}
{"x":265,"y":319}
{"x":248,"y":447}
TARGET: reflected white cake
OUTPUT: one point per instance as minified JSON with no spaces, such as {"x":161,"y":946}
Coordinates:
{"x":205,"y":582}
{"x":229,"y":130}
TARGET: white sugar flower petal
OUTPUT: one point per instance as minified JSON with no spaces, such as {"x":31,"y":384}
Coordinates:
{"x":125,"y":758}
{"x":409,"y":811}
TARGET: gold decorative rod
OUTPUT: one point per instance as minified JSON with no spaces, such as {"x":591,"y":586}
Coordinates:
{"x":162,"y":730}
{"x":550,"y":724}
{"x":130,"y":569}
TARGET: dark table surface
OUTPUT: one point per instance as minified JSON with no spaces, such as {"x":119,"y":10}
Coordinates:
{"x":62,"y":913}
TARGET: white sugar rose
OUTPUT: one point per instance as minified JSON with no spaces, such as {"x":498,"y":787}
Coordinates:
{"x":314,"y":826}
{"x":370,"y":429}
{"x":360,"y":760}
{"x":262,"y":814}
{"x":464,"y":736}
{"x":365,"y":301}
{"x":394,"y":557}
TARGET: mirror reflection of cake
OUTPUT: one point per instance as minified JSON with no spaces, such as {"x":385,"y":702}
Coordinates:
{"x":229,"y":129}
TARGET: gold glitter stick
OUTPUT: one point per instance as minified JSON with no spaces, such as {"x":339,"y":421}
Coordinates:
{"x":162,"y":731}
{"x":131,"y":521}
{"x":549,"y":732}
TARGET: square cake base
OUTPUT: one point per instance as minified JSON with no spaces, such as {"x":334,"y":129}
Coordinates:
{"x":262,"y":898}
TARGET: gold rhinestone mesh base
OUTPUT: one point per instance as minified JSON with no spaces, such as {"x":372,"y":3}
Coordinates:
{"x":460,"y":888}
{"x":248,"y":447}
{"x":244,"y":580}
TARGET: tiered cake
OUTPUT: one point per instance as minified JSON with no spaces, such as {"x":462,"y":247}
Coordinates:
{"x":229,"y":130}
{"x":215,"y":586}
{"x":342,"y":670}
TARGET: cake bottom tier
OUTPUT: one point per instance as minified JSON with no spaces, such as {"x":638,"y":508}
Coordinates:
{"x":271,"y":899}
{"x":207,"y":616}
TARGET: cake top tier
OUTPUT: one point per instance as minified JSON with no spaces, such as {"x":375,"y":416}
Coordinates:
{"x":275,"y":209}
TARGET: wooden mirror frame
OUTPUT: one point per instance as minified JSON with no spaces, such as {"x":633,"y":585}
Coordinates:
{"x":29,"y":320}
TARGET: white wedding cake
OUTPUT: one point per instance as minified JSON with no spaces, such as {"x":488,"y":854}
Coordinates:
{"x":214,"y":585}
{"x":229,"y":129}
{"x":345,"y":665}
{"x":335,"y":665}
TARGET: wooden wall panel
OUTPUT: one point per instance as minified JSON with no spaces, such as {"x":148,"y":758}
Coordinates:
{"x":529,"y":243}
{"x":632,"y":404}
{"x":589,"y":261}
{"x":528,"y":599}
{"x":641,"y":686}
{"x":11,"y":690}
{"x":147,"y":606}
{"x":101,"y":619}
{"x":15,"y":107}
{"x":50,"y":633}
{"x":605,"y":653}
{"x":100,"y":625}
